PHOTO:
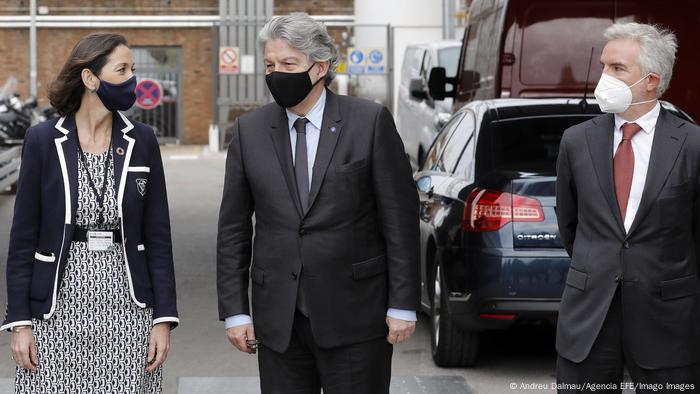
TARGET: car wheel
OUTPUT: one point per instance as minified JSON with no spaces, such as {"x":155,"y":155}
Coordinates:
{"x":451,"y":346}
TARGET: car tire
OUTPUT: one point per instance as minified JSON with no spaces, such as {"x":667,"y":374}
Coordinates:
{"x":450,"y":345}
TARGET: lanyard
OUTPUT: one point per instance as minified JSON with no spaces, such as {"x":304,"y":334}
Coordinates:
{"x":100,"y":195}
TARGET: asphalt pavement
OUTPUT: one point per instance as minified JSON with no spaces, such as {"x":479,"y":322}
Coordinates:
{"x":201,"y":359}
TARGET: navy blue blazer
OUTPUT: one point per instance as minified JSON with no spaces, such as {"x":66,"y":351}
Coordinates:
{"x":45,"y":211}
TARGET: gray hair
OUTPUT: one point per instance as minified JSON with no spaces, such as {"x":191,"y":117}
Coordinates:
{"x":657,"y":48}
{"x":305,"y":35}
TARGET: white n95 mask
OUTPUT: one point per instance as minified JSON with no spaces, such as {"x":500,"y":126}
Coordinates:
{"x":614,"y":96}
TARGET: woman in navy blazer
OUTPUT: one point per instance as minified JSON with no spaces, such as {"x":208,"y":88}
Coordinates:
{"x":45,"y":243}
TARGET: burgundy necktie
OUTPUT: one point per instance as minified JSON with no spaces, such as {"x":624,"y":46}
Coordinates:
{"x":624,"y":166}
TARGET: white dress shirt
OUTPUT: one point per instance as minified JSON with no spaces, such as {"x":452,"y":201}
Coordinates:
{"x":313,"y":135}
{"x":641,"y":146}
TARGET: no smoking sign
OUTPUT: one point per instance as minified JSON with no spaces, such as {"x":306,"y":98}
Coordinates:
{"x":228,"y":60}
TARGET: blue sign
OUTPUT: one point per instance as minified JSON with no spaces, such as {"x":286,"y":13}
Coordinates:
{"x":356,"y":69}
{"x":376,"y":56}
{"x":356,"y":56}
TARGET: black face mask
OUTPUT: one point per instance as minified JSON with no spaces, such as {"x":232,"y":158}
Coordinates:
{"x":290,"y":89}
{"x":117,"y":97}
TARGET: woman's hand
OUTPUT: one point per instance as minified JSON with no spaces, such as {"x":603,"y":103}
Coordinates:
{"x":158,"y":346}
{"x":24,"y":349}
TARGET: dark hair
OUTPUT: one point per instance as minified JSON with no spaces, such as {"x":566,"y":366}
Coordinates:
{"x":91,"y":52}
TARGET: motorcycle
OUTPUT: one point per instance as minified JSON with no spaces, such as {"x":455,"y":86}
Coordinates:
{"x":16,"y":116}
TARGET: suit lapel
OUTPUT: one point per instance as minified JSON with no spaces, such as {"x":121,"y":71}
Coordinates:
{"x":67,"y":149}
{"x":600,"y":146}
{"x":122,"y":148}
{"x":668,"y":140}
{"x":119,"y":147}
{"x":330,"y":133}
{"x":279,"y":131}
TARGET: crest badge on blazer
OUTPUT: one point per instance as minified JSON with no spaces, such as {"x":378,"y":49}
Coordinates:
{"x":141,"y":186}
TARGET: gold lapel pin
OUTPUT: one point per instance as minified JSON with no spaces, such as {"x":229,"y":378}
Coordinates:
{"x":120,"y":151}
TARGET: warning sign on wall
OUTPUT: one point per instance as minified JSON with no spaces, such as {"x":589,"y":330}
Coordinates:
{"x":228,"y":60}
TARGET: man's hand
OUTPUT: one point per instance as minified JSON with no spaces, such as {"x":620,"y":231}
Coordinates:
{"x":399,"y":330}
{"x":24,"y":349}
{"x":243,"y":338}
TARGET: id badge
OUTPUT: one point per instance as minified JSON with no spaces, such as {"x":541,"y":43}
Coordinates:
{"x":100,"y":241}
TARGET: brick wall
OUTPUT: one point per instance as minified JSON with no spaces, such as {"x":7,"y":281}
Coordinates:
{"x":315,"y":7}
{"x":14,"y":52}
{"x":164,"y":7}
{"x":55,"y":45}
{"x":112,"y":7}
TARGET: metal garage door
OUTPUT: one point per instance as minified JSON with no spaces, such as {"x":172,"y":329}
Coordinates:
{"x":163,"y":67}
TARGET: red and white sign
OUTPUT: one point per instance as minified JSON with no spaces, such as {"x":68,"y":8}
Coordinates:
{"x":228,"y":60}
{"x":149,"y":93}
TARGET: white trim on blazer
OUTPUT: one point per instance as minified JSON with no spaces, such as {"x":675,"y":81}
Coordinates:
{"x":44,"y":258}
{"x":66,"y":190}
{"x":120,"y":199}
{"x":164,"y":319}
{"x":9,"y":326}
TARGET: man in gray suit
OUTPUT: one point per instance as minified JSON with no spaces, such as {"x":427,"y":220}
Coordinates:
{"x":628,"y":205}
{"x":335,"y":270}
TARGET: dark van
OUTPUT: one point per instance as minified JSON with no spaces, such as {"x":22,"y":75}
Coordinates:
{"x":542,"y":48}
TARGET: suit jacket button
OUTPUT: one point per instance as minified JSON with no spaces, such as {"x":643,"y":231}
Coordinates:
{"x":626,"y":245}
{"x":302,"y":232}
{"x":294,"y":275}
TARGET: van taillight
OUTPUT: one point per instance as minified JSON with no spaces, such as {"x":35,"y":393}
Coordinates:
{"x":489,"y":210}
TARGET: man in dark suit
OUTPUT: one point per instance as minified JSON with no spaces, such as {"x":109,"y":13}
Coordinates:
{"x":628,"y":205}
{"x":335,"y":270}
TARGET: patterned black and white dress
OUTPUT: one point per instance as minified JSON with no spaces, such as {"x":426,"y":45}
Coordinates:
{"x":97,"y":339}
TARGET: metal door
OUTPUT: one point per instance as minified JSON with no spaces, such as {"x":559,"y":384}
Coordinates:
{"x":164,"y":66}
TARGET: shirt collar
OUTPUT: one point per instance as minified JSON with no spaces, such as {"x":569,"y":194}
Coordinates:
{"x":647,"y":121}
{"x":315,"y":115}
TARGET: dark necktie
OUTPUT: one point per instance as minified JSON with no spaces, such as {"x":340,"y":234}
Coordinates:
{"x":301,"y":169}
{"x":624,"y":166}
{"x":301,"y":163}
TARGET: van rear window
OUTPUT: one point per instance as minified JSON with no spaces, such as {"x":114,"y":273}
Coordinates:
{"x":524,"y":144}
{"x":557,"y":40}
